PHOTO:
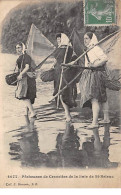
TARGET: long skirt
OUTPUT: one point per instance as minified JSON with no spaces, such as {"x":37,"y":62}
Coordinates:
{"x":70,"y":93}
{"x":26,"y":89}
{"x":92,"y":85}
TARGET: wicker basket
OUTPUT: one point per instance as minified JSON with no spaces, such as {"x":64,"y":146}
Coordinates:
{"x":47,"y":76}
{"x":114,"y":85}
{"x":11,"y":79}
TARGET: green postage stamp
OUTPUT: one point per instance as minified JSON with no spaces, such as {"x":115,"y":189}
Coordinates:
{"x":99,"y":12}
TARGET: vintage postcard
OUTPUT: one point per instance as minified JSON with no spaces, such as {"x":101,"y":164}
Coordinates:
{"x":60,"y":71}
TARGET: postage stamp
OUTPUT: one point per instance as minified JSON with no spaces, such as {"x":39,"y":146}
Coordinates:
{"x":99,"y":12}
{"x":53,"y":130}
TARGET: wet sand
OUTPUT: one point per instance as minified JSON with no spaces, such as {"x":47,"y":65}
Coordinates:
{"x":48,"y":141}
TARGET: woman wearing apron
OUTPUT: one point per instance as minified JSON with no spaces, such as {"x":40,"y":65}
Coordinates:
{"x":26,"y":86}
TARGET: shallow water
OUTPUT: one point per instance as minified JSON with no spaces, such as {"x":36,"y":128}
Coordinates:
{"x":48,"y":141}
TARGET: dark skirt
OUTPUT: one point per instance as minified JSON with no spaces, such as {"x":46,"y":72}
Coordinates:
{"x":31,"y":90}
{"x":92,"y":86}
{"x":70,"y":93}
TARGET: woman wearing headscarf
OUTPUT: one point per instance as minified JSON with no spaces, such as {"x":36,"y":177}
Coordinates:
{"x":64,"y":54}
{"x":26,"y":86}
{"x":92,"y":82}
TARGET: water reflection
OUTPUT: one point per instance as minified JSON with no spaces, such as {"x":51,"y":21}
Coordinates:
{"x":67,"y":152}
{"x":68,"y":148}
{"x":26,"y":149}
{"x":97,"y":151}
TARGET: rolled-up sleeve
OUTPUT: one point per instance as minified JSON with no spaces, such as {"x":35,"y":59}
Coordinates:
{"x":100,"y":54}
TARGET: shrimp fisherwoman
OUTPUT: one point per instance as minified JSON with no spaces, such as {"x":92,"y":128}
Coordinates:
{"x":26,"y":86}
{"x":92,"y":82}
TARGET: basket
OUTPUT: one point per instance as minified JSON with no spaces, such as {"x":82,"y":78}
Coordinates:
{"x":11,"y":79}
{"x":47,"y":76}
{"x":114,"y":85}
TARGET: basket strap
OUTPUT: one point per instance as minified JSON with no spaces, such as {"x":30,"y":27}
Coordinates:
{"x":87,"y":57}
{"x":22,"y":63}
{"x":15,"y":68}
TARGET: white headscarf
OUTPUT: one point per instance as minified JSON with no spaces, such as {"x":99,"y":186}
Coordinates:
{"x":64,"y":40}
{"x":93,"y":41}
{"x":24,"y":48}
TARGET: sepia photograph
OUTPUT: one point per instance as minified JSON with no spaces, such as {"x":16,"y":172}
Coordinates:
{"x":60,"y":88}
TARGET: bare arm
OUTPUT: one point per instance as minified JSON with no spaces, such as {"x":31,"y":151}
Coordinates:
{"x":98,"y":62}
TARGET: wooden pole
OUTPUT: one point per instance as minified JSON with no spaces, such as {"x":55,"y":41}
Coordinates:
{"x":66,"y":86}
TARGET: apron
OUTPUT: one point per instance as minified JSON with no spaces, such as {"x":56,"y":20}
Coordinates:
{"x":22,"y":86}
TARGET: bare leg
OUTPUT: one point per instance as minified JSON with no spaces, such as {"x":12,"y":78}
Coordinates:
{"x":27,"y":120}
{"x":66,"y":109}
{"x":95,"y":110}
{"x":27,"y":111}
{"x":105,"y":108}
{"x":29,"y":106}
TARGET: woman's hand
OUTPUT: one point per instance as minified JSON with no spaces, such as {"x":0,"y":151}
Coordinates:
{"x":72,"y":63}
{"x":19,"y":77}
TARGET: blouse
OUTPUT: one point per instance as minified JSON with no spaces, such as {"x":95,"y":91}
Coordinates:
{"x":94,"y":54}
{"x":23,"y":60}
